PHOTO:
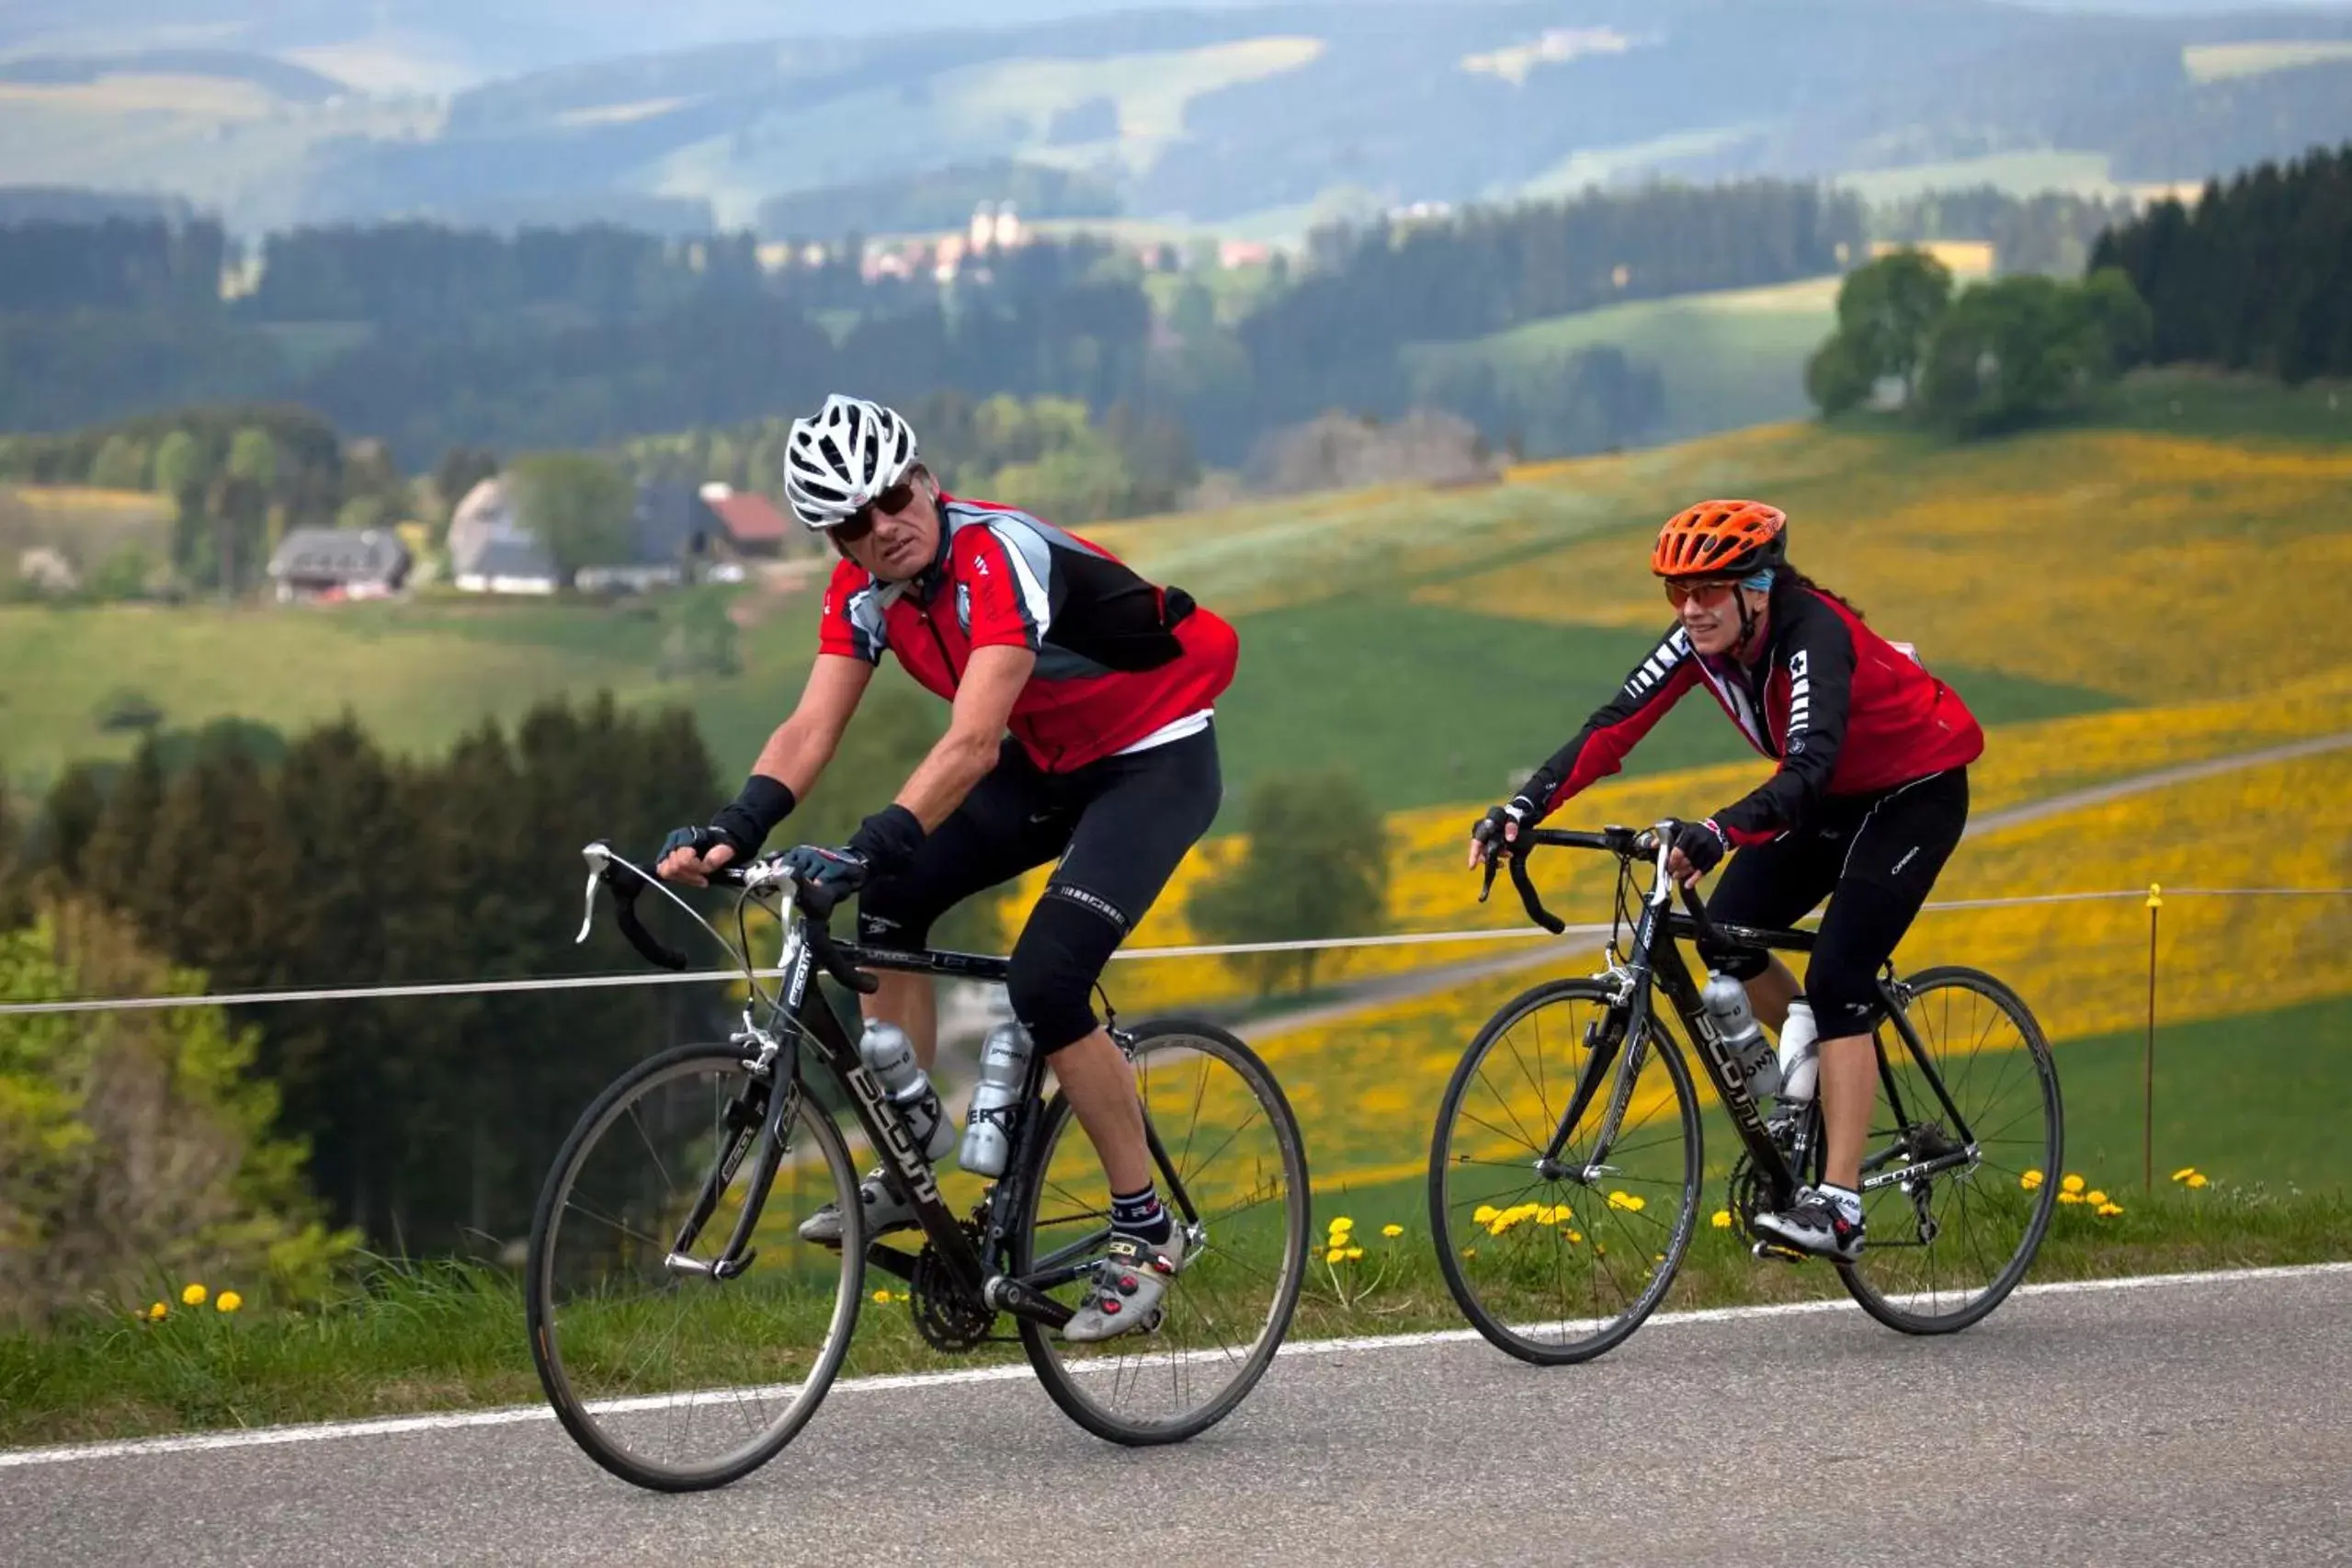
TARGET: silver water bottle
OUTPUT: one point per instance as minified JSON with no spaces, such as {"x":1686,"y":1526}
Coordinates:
{"x":889,"y":1055}
{"x":1004,"y":1073}
{"x":1752,"y":1055}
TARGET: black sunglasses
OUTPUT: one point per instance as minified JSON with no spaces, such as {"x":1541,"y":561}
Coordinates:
{"x":894,"y":500}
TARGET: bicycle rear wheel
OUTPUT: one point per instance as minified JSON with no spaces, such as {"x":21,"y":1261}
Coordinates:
{"x":1235,"y":1149}
{"x":1942,"y":1252}
{"x":674,"y":1381}
{"x":1555,"y":1270}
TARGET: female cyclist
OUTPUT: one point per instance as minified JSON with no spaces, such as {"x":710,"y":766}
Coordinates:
{"x":1869,"y":800}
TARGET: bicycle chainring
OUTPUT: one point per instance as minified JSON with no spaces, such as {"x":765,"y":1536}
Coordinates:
{"x":948,"y":1317}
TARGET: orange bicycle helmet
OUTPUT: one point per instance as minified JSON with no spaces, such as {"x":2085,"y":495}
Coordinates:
{"x":1721,"y":538}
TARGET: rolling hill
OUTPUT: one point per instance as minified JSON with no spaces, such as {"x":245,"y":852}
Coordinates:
{"x":1204,"y":115}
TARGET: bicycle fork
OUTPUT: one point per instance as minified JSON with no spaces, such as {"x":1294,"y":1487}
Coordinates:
{"x":747,"y":1124}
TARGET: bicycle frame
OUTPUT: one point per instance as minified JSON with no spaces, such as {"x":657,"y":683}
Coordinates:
{"x":797,"y":1014}
{"x":1653,"y":967}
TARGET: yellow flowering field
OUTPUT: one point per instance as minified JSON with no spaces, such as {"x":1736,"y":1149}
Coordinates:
{"x":1430,"y":891}
{"x":2150,"y":566}
{"x":1368,"y":1083}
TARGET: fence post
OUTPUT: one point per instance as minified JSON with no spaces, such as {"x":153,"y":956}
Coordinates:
{"x":2148,"y":1103}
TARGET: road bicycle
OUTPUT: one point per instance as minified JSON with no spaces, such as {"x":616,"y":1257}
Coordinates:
{"x":1566,"y":1165}
{"x":677,"y":1201}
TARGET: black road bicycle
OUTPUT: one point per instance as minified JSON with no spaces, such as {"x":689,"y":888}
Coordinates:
{"x":677,"y":1199}
{"x":1565,"y":1167}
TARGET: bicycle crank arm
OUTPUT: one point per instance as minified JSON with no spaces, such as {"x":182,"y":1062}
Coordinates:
{"x":891,"y":1260}
{"x":1007,"y":1294}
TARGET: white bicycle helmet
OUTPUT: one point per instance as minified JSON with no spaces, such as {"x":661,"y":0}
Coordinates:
{"x":851,"y":453}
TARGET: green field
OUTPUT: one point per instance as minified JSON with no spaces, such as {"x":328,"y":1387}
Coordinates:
{"x":1727,"y":359}
{"x":1345,"y":655}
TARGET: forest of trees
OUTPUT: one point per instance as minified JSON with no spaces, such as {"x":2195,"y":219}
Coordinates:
{"x":2257,"y":277}
{"x":432,"y":338}
{"x":1999,"y":355}
{"x":260,"y":862}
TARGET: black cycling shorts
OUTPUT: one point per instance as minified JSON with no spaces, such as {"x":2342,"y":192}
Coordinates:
{"x":1120,"y":825}
{"x":1874,"y":857}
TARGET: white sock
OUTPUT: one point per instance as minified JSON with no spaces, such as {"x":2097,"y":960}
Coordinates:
{"x":1848,"y":1203}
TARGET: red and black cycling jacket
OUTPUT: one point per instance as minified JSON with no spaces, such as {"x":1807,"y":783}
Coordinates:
{"x":1842,"y":710}
{"x":1121,"y":662}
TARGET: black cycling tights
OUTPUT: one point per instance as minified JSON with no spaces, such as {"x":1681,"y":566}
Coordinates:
{"x":1121,"y":826}
{"x":1876,"y":859}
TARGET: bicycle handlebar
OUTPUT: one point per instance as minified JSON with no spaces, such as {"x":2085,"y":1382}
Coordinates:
{"x":625,"y":882}
{"x":1624,"y":841}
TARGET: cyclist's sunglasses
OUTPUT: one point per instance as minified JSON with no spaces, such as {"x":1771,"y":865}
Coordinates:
{"x":1708,"y":591}
{"x":894,"y":500}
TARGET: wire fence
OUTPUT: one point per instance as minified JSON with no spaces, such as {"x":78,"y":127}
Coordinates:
{"x":2107,"y":973}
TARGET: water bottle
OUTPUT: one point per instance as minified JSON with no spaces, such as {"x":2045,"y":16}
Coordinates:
{"x":1725,"y":1000}
{"x":1004,"y":1073}
{"x":1799,"y":1053}
{"x":889,"y":1057}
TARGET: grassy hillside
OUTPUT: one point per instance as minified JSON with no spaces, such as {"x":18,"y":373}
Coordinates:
{"x":1727,"y":359}
{"x":1440,"y":641}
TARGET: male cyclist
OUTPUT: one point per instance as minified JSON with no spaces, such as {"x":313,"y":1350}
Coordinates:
{"x":1869,"y":798}
{"x":1105,"y":683}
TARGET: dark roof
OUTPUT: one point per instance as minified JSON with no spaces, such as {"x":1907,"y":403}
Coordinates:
{"x":671,"y":521}
{"x":340,"y":554}
{"x":508,"y":555}
{"x":750,"y":517}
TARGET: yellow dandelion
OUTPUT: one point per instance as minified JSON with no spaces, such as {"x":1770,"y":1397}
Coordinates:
{"x":2107,"y":1208}
{"x":1469,"y":1252}
{"x":1577,"y":1235}
{"x":2072,"y":1184}
{"x":2030,"y":1181}
{"x":158,"y":1312}
{"x":881,"y":1295}
{"x":2094,"y":1197}
{"x":229,"y":1302}
{"x":2070,"y":1198}
{"x":1391,"y":1231}
{"x":1336,"y":1255}
{"x":2184,"y":1172}
{"x":1484,"y":1214}
{"x":1629,"y":1201}
{"x":1342,"y":1225}
{"x":2196,"y":1180}
{"x":192,"y":1297}
{"x":1722,"y":1220}
{"x":1353,"y":1253}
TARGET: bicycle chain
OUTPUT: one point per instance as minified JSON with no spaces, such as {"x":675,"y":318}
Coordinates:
{"x":946,"y":1315}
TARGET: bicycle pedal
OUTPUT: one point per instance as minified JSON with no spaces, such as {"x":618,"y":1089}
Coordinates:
{"x":1775,"y":1250}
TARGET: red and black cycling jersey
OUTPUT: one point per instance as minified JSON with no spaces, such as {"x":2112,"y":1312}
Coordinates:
{"x":1121,"y":662}
{"x":1842,"y":710}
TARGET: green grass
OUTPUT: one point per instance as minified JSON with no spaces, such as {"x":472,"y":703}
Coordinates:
{"x":1726,"y":360}
{"x":2262,"y":1097}
{"x":1430,"y":704}
{"x":2230,"y":407}
{"x":2019,"y":174}
{"x":448,"y":1337}
{"x":2219,"y":61}
{"x":417,"y":676}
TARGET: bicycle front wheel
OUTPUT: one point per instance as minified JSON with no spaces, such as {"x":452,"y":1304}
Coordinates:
{"x":1560,"y":1270}
{"x":672,"y":1379}
{"x":1943,"y":1250}
{"x":1235,"y":1153}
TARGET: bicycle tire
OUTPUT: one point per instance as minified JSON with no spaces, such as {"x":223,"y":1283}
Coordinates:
{"x":1451,"y":1245}
{"x":1881,"y":1304}
{"x":541,"y":1310}
{"x":1038,"y":1342}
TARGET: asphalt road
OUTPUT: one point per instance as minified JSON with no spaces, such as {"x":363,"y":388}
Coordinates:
{"x":2199,"y":1421}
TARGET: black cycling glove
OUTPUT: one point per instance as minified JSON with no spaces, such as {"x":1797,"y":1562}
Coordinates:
{"x":742,"y":825}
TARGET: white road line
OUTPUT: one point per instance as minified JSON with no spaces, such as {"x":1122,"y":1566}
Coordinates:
{"x":330,"y":1431}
